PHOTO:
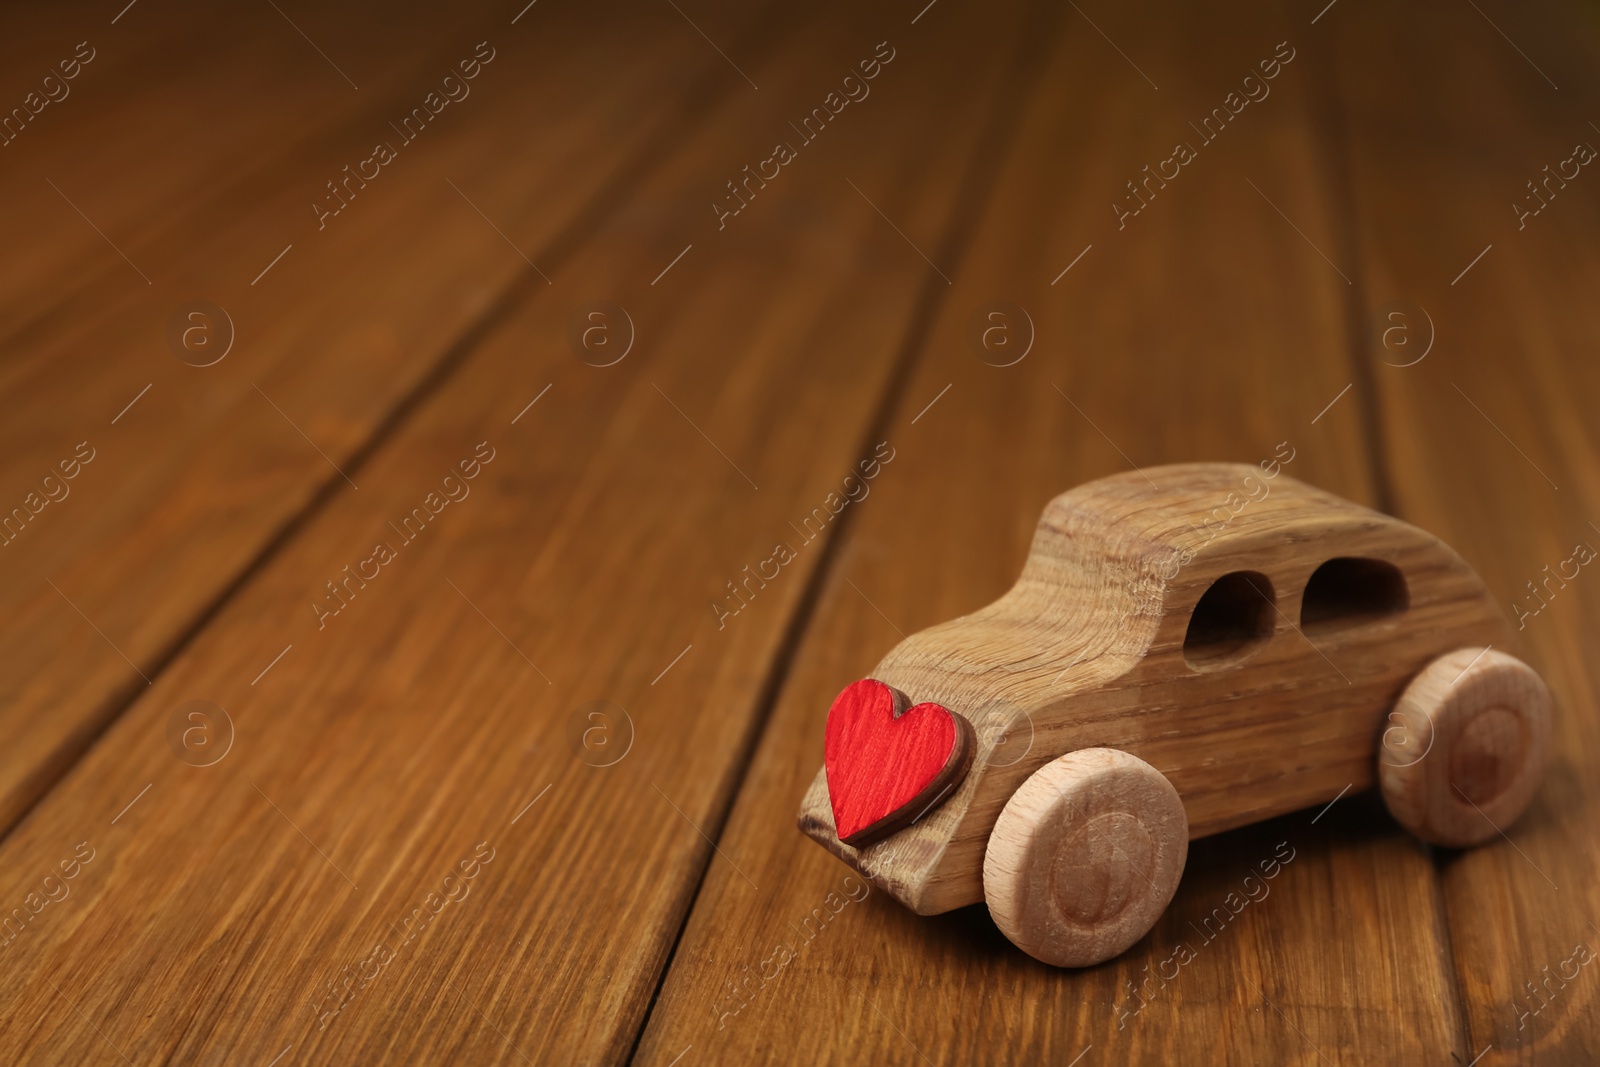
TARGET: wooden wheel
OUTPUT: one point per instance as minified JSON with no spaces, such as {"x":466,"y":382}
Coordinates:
{"x":1465,"y":747}
{"x":1085,"y":857}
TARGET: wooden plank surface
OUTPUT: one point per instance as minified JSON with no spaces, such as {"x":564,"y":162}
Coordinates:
{"x":1149,"y":350}
{"x":193,"y":483}
{"x":1493,"y":438}
{"x":265,"y":882}
{"x":210,"y":90}
{"x":520,"y":786}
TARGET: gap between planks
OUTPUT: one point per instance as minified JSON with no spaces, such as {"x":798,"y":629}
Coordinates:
{"x":1331,"y":141}
{"x":1040,"y":27}
{"x":699,"y":103}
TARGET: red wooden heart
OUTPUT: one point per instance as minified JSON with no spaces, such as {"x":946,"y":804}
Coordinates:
{"x":887,"y":763}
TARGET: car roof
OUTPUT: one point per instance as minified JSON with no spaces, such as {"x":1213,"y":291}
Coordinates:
{"x":1179,"y":506}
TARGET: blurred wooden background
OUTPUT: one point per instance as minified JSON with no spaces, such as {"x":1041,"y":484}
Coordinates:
{"x":503,"y":784}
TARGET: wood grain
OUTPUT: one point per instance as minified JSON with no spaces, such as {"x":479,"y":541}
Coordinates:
{"x":1307,"y":936}
{"x":886,"y":763}
{"x":1085,"y":857}
{"x":1467,"y":749}
{"x":1101,"y":644}
{"x":202,"y":476}
{"x":181,"y":101}
{"x":419,"y":843}
{"x":310,"y":892}
{"x":1493,"y":439}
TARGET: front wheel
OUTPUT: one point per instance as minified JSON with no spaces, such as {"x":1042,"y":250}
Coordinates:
{"x":1085,"y":857}
{"x":1465,"y":747}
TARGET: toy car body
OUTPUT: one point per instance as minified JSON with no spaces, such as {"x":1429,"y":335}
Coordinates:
{"x":1263,"y":645}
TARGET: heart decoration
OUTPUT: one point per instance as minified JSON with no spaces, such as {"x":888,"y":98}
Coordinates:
{"x":887,"y":762}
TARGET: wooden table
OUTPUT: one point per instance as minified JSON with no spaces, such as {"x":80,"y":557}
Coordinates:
{"x":382,"y":681}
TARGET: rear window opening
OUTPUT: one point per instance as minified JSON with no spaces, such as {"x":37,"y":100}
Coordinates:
{"x":1232,"y":619}
{"x":1349,"y":591}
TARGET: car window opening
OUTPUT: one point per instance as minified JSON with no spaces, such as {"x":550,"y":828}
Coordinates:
{"x":1232,"y":619}
{"x":1348,"y":591}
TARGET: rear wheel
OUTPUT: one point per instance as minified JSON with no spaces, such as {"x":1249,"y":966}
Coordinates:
{"x":1465,"y":747}
{"x":1085,"y":857}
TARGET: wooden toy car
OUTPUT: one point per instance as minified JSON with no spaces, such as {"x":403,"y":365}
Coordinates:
{"x":1188,"y":649}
